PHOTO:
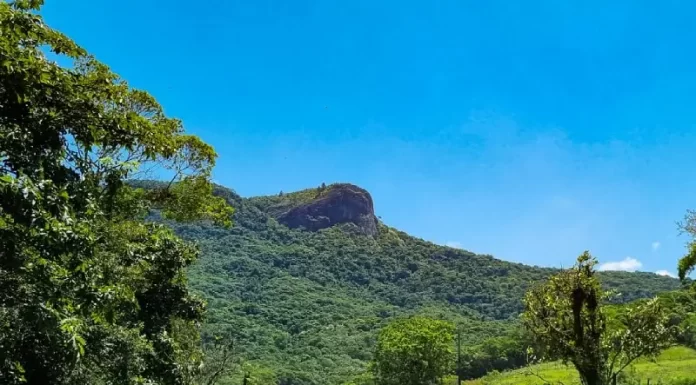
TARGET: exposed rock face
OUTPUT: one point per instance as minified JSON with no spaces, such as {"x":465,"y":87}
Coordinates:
{"x":344,"y":203}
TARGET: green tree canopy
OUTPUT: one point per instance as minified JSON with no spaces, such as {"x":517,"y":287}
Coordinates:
{"x":566,"y":316}
{"x":413,"y":351}
{"x":89,"y":290}
{"x":688,"y":262}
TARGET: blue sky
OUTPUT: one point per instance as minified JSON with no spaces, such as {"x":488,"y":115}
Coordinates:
{"x":527,"y":130}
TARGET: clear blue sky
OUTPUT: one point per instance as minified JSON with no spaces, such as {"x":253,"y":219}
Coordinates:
{"x":530,"y":130}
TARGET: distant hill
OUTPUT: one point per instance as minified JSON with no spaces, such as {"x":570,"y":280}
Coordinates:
{"x":305,"y":279}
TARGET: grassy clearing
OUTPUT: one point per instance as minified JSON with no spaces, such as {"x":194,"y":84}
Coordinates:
{"x":676,"y":365}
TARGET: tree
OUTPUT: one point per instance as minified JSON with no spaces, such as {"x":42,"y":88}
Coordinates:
{"x":415,"y":351}
{"x":566,"y":316}
{"x":687,"y":263}
{"x":219,"y":361}
{"x":494,"y":353}
{"x":89,"y":291}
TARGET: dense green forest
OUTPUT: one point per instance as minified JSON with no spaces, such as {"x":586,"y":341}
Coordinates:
{"x":307,"y":305}
{"x":110,"y":280}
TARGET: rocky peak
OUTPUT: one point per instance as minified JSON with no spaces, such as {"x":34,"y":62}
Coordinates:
{"x":332,"y":205}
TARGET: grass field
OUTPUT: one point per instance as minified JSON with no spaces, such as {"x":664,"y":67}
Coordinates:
{"x":675,"y":366}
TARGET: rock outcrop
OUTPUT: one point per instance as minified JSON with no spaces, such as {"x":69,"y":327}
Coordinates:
{"x":339,"y":203}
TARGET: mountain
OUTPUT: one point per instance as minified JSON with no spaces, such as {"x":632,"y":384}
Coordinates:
{"x":303,"y":281}
{"x":323,"y":207}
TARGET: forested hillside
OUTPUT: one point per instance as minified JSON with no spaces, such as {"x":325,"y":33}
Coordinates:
{"x":304,"y":306}
{"x":102,"y":277}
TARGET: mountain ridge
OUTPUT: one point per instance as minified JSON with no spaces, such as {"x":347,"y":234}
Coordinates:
{"x":307,"y":304}
{"x":318,"y":208}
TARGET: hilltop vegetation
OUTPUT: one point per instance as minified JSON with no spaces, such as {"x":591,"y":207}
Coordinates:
{"x":307,"y":304}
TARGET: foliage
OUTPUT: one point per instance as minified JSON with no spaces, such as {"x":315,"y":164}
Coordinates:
{"x":673,"y":366}
{"x":366,"y":378}
{"x":566,"y":316}
{"x":687,"y":263}
{"x":308,"y":305}
{"x":89,"y":291}
{"x":220,"y":361}
{"x":509,"y":351}
{"x":680,"y":310}
{"x":413,"y":351}
{"x":500,"y":352}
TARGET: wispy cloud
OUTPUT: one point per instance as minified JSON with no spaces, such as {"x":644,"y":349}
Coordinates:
{"x":454,"y":244}
{"x":655,"y":245}
{"x":665,"y":273}
{"x":628,"y":264}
